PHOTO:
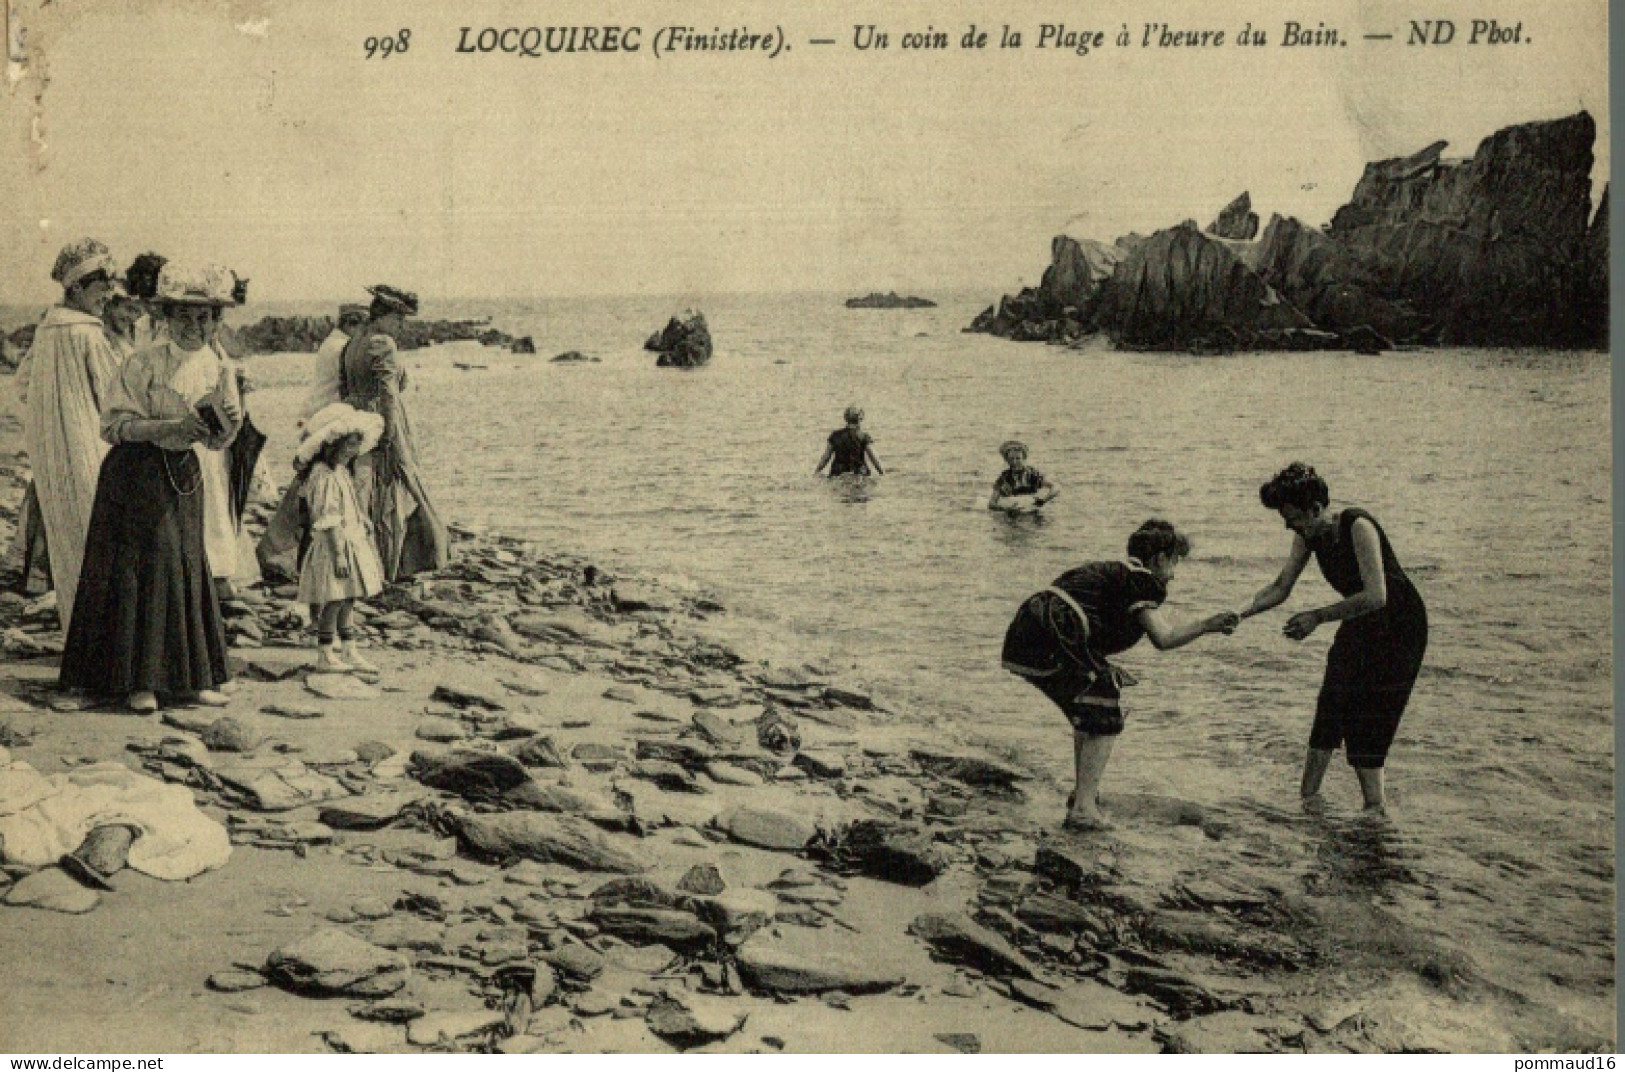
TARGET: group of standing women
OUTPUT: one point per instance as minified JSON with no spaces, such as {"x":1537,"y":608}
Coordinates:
{"x":139,"y":489}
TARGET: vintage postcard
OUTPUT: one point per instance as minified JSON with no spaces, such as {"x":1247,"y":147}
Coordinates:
{"x":914,"y":528}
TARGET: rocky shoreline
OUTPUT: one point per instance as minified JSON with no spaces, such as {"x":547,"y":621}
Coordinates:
{"x":1500,"y":249}
{"x":565,"y":819}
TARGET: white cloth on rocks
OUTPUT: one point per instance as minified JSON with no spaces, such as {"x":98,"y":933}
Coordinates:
{"x":64,"y":379}
{"x":44,"y":816}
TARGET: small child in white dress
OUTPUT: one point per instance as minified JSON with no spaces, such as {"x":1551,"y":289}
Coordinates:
{"x":342,"y":564}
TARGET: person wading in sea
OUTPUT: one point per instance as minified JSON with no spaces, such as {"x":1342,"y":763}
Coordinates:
{"x":851,"y":449}
{"x":1375,"y":659}
{"x":1060,"y":639}
{"x":1020,"y":489}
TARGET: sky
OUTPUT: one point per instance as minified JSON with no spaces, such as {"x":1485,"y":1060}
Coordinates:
{"x":254,"y":133}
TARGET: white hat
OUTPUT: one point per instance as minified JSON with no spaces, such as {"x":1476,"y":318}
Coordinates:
{"x":333,"y":422}
{"x":180,"y":284}
{"x":79,"y":259}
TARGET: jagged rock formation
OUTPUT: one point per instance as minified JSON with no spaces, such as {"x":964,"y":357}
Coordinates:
{"x":1492,"y":250}
{"x":1063,"y":307}
{"x":889,"y":300}
{"x":1236,"y":220}
{"x":1488,"y":249}
{"x":1318,"y":276}
{"x":682,"y":343}
{"x":1181,"y":289}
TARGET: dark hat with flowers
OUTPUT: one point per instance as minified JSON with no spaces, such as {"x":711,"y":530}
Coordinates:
{"x":394,"y":299}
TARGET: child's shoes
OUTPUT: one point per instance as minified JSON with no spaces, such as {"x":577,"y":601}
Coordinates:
{"x":329,"y":661}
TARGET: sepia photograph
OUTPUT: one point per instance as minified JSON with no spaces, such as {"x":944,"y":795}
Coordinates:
{"x":728,"y":528}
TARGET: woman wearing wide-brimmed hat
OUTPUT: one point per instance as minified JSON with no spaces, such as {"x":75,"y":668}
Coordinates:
{"x":146,"y":621}
{"x":64,"y":379}
{"x":408,"y":533}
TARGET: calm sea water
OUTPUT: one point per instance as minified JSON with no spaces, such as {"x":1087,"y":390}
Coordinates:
{"x":1490,"y":471}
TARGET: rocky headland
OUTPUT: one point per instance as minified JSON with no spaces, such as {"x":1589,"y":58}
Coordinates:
{"x":304,"y":334}
{"x":1499,"y":249}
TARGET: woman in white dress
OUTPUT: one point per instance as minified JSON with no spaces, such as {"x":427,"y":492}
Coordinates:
{"x":64,"y":379}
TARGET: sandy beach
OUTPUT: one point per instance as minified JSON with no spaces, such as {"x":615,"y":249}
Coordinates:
{"x":567,"y":820}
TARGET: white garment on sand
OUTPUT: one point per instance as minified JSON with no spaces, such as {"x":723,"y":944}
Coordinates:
{"x":44,"y":817}
{"x":326,"y":379}
{"x":64,"y":380}
{"x":198,"y":374}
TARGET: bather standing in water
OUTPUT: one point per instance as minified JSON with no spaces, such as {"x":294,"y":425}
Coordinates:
{"x":1375,"y":660}
{"x":851,"y":448}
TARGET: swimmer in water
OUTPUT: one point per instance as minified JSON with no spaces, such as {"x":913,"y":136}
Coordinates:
{"x":1020,"y":479}
{"x":850,"y":448}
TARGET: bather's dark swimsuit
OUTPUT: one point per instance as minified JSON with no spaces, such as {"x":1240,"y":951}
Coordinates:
{"x":1375,"y":659}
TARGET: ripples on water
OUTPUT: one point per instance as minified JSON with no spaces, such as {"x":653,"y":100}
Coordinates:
{"x":1490,"y":471}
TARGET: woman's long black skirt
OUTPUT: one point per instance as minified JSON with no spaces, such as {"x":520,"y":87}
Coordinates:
{"x":146,"y":618}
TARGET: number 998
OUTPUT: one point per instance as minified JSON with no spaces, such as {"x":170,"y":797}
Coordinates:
{"x":384,"y":47}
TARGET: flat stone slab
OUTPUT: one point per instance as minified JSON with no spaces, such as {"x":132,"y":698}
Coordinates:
{"x":767,"y":966}
{"x":281,"y":788}
{"x":439,"y":1027}
{"x":958,"y":937}
{"x":765,"y":828}
{"x":295,"y":711}
{"x":341,"y":687}
{"x":52,"y":889}
{"x":331,"y":961}
{"x":547,"y":839}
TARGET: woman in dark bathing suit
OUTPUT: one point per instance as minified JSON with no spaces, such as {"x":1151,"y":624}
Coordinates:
{"x":1378,"y":652}
{"x":850,"y":449}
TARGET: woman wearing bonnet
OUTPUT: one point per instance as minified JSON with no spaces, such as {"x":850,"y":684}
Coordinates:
{"x":146,"y":620}
{"x":64,"y":380}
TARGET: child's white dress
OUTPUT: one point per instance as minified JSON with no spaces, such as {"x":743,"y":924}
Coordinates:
{"x":330,"y":494}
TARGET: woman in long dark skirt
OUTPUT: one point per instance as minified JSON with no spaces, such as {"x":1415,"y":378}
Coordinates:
{"x":1375,"y":660}
{"x":146,"y":621}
